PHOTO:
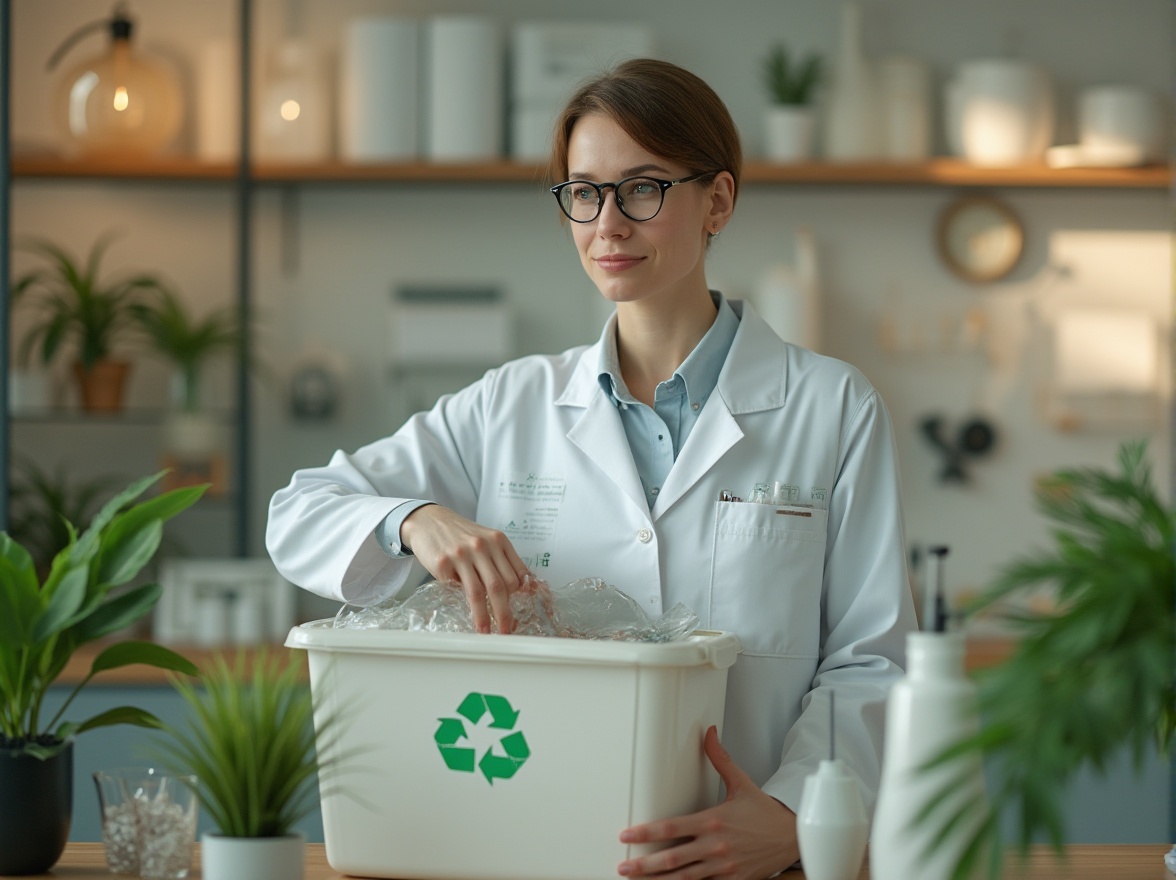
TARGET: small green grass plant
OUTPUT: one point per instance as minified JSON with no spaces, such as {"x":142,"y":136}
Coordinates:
{"x":252,"y":744}
{"x":790,"y":81}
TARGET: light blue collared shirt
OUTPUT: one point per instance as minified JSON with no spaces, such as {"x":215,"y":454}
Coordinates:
{"x":656,"y":434}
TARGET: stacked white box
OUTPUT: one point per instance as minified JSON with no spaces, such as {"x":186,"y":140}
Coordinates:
{"x":571,"y":741}
{"x":549,"y":60}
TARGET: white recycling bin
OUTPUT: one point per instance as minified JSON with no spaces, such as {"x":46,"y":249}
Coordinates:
{"x":508,"y":757}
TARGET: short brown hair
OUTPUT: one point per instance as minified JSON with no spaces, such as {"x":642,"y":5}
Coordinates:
{"x":666,"y":109}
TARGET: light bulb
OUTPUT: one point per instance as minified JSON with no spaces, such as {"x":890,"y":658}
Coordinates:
{"x":120,"y":98}
{"x":290,"y":110}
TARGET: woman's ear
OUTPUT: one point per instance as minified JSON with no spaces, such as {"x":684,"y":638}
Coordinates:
{"x":722,"y":202}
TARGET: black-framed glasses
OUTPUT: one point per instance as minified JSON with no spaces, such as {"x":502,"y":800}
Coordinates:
{"x":639,"y":198}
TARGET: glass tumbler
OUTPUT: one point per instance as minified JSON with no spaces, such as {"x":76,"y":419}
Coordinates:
{"x":148,"y":821}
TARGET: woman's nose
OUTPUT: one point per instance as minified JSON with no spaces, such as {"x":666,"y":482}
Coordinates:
{"x":611,"y":221}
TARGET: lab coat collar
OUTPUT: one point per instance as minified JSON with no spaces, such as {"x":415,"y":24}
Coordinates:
{"x":754,"y":377}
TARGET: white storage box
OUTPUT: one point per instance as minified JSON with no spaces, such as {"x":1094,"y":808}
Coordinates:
{"x":509,"y":757}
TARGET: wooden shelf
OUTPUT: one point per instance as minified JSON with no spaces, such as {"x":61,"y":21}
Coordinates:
{"x":934,"y":172}
{"x":79,"y":664}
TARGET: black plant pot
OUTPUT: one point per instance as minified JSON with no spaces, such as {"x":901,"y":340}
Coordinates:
{"x":36,"y":801}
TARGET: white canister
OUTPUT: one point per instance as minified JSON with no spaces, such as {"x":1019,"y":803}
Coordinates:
{"x":293,"y":112}
{"x":999,"y":112}
{"x":1122,"y":121}
{"x":464,"y":88}
{"x":378,"y":90}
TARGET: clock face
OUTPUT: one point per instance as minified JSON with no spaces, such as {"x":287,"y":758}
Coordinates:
{"x":980,"y":239}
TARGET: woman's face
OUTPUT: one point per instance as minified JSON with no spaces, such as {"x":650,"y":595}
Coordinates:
{"x":658,"y":260}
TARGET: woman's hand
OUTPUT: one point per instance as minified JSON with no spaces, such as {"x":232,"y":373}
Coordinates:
{"x":749,"y":836}
{"x":481,"y":560}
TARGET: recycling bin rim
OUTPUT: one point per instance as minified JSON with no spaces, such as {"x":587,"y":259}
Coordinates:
{"x":703,"y":647}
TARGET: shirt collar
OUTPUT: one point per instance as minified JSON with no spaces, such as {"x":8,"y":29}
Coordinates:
{"x":699,"y":372}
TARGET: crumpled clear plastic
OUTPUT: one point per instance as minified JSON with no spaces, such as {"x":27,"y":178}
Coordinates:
{"x":585,"y":609}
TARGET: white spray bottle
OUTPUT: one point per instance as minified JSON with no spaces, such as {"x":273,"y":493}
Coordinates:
{"x":932,"y":708}
{"x":832,"y":826}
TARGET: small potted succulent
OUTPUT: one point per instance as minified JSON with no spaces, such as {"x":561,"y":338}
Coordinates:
{"x":69,"y":302}
{"x":251,"y":742}
{"x":88,"y":594}
{"x":789,"y":120}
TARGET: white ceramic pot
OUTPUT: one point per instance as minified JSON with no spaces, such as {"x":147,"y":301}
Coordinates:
{"x":1121,"y":121}
{"x":252,"y":858}
{"x":999,"y":112}
{"x":788,"y":132}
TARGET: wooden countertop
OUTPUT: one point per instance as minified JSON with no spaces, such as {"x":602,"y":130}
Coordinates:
{"x":1101,"y":862}
{"x":982,"y":651}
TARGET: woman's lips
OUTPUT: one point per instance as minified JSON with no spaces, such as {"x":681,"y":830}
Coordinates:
{"x":617,"y":262}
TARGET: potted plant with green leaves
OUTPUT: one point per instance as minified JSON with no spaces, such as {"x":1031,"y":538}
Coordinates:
{"x":1090,"y":677}
{"x":193,"y":438}
{"x":43,"y":505}
{"x":70,"y":302}
{"x":789,"y":120}
{"x":252,"y":744}
{"x":88,"y":594}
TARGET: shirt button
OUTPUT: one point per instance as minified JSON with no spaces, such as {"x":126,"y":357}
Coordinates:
{"x":694,"y":406}
{"x":654,"y":490}
{"x":644,"y":535}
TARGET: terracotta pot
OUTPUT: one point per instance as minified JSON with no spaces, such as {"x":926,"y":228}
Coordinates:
{"x":102,"y":385}
{"x":36,"y":803}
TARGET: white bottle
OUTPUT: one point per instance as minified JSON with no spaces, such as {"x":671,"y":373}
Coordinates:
{"x":832,"y":826}
{"x":851,"y":112}
{"x":932,"y":708}
{"x":787,"y":296}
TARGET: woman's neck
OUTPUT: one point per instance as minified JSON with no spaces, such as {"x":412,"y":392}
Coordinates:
{"x":652,"y":340}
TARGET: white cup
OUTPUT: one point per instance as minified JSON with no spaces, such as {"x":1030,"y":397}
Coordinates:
{"x":999,"y":112}
{"x":1120,"y":121}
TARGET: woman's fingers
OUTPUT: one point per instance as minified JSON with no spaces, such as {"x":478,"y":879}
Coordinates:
{"x":481,"y":560}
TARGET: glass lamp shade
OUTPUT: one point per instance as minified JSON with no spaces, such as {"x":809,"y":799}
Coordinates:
{"x":120,"y":104}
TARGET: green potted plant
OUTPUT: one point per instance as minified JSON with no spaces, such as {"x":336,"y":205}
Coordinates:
{"x":789,"y":120}
{"x":185,"y":340}
{"x":71,"y":303}
{"x":1088,"y":678}
{"x":251,"y":742}
{"x":87,"y":595}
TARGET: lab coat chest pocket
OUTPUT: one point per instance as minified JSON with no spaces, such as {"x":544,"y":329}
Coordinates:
{"x":767,"y":569}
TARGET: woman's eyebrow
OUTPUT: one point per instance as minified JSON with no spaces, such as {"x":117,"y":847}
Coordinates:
{"x":628,"y":172}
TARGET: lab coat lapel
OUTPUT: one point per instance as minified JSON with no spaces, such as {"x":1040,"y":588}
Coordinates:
{"x":598,"y":432}
{"x":714,"y":434}
{"x":753,"y":379}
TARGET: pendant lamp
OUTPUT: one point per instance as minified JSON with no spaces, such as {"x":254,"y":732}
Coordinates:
{"x":121,"y":103}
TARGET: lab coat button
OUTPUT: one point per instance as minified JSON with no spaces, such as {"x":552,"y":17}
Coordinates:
{"x":644,"y":535}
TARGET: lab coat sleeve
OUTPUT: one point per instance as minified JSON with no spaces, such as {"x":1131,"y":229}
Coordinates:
{"x":867,"y":609}
{"x":320,"y":532}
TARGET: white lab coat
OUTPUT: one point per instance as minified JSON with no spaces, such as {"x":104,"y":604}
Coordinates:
{"x":819,"y":597}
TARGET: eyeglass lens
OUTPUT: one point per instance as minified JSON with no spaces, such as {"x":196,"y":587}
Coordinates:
{"x":639,"y":198}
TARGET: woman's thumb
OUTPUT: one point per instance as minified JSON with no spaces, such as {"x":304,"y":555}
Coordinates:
{"x":732,"y":775}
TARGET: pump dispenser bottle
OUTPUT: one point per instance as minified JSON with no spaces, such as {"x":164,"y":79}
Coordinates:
{"x":932,"y":708}
{"x":832,"y":827}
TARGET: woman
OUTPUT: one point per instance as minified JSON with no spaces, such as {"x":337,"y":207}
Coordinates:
{"x":609,"y":461}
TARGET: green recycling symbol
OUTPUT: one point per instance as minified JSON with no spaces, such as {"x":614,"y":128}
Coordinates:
{"x":464,"y":757}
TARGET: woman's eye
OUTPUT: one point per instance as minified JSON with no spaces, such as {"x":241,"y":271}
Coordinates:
{"x":583,"y":193}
